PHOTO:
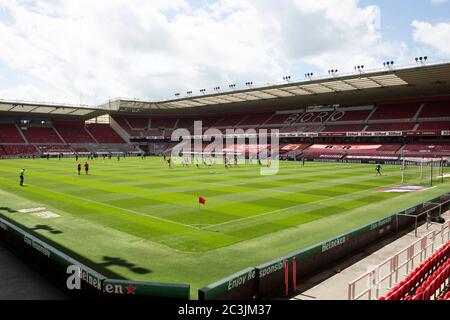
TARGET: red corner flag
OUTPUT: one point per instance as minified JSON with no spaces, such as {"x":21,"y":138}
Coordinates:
{"x":201,"y":200}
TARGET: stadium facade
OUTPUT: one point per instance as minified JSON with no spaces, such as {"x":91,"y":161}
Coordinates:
{"x":385,"y":115}
{"x":389,"y":115}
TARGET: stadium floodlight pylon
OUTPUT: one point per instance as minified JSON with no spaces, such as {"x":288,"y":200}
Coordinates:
{"x":423,"y":171}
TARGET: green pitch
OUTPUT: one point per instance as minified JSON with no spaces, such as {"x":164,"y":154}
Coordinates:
{"x":140,"y":220}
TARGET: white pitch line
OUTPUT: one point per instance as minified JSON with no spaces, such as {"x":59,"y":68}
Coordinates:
{"x":296,"y":206}
{"x":112,"y":206}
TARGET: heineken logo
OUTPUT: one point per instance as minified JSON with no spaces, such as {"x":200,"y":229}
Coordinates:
{"x":121,"y":289}
{"x":334,"y":243}
{"x":91,"y":279}
{"x":77,"y":275}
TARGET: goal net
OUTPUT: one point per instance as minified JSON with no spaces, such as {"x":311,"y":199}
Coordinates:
{"x":423,"y":172}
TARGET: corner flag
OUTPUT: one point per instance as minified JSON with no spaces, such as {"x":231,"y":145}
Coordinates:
{"x":201,"y":200}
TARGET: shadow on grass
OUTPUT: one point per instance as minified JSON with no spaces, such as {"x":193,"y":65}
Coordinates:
{"x":9,"y":210}
{"x":46,"y":228}
{"x":114,"y":261}
{"x":68,"y":251}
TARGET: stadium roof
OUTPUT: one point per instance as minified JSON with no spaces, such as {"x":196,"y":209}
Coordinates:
{"x":22,"y":108}
{"x":359,"y":87}
{"x":351,"y":89}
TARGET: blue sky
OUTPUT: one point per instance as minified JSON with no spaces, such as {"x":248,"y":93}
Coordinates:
{"x":61,"y":50}
{"x":397,"y":16}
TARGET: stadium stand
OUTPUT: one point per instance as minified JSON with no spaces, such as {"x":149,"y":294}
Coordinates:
{"x":278,"y":120}
{"x":211,"y":122}
{"x":41,"y":135}
{"x":391,"y":127}
{"x":390,"y":148}
{"x":394,"y":117}
{"x":81,"y":150}
{"x":10,"y":134}
{"x":435,"y":110}
{"x":310,"y":128}
{"x":74,"y":133}
{"x":44,"y":149}
{"x":186,"y":123}
{"x":438,"y":148}
{"x":124,"y":125}
{"x":255,"y":120}
{"x":18,"y":150}
{"x":434,"y":126}
{"x":103,"y":133}
{"x":429,"y":281}
{"x":356,"y":115}
{"x":167,"y":123}
{"x":138,"y":123}
{"x":290,"y":130}
{"x":405,"y":119}
{"x":231,"y":121}
{"x":395,"y":112}
{"x":344,"y":128}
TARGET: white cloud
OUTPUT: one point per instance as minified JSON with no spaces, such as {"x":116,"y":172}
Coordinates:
{"x":152,"y":49}
{"x":439,"y":1}
{"x":436,"y":36}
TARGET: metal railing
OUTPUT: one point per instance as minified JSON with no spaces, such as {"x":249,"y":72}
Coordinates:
{"x":399,"y":265}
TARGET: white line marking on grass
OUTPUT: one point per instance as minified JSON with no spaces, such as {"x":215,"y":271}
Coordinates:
{"x":31,"y":210}
{"x":112,"y":206}
{"x":293,"y":207}
{"x":40,"y":213}
{"x":45,"y":215}
{"x":131,"y":211}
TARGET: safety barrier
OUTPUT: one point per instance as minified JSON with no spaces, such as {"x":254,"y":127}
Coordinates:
{"x":425,"y":280}
{"x":369,"y":284}
{"x":433,"y":287}
{"x":284,"y":274}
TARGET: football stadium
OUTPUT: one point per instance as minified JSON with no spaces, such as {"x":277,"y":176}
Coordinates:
{"x":276,"y":191}
{"x":134,"y":217}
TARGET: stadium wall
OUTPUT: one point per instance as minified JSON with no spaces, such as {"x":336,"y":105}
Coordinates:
{"x":269,"y":279}
{"x":54,"y":263}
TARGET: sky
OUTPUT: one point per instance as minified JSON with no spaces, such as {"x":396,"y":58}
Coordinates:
{"x":88,"y":52}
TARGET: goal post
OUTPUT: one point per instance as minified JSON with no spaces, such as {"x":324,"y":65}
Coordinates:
{"x":422,"y":171}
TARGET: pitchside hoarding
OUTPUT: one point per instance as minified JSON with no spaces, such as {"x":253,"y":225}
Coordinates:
{"x":239,"y":286}
{"x":56,"y":264}
{"x":132,"y":289}
{"x":270,"y":277}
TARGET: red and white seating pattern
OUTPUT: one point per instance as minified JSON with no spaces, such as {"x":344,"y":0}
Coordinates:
{"x":391,"y":127}
{"x":103,"y":133}
{"x":395,"y":111}
{"x":435,"y":110}
{"x":54,"y":149}
{"x":74,"y":133}
{"x":41,"y":135}
{"x":431,"y":280}
{"x":18,"y":150}
{"x":10,"y":134}
{"x":389,"y":117}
